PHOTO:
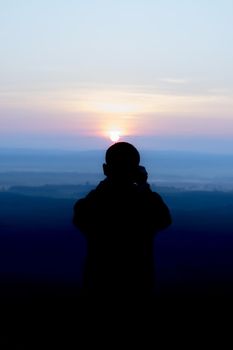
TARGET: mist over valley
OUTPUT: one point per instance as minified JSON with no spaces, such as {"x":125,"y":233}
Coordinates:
{"x":183,"y":170}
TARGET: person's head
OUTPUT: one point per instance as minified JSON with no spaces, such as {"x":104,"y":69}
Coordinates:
{"x":122,"y":161}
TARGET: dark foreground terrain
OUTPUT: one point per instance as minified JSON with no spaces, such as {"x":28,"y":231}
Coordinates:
{"x":41,"y":260}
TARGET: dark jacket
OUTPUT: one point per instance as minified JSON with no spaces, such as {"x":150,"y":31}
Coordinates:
{"x":119,"y":223}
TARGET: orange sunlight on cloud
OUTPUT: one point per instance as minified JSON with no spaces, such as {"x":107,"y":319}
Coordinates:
{"x":98,"y":112}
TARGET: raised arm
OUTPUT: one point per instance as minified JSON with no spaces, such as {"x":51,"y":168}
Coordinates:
{"x":156,"y":211}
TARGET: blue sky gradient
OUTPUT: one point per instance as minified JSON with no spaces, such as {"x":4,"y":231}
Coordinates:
{"x":157,"y":71}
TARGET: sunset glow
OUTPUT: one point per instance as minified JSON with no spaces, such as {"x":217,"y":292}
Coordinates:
{"x":114,"y":136}
{"x":93,"y":81}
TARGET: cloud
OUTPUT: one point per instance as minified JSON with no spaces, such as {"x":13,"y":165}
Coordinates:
{"x":174,"y":81}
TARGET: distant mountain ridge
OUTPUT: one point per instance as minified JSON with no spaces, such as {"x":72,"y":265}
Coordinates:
{"x":182,"y":170}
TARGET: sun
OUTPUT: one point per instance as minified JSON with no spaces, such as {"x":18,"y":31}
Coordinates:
{"x":114,"y":136}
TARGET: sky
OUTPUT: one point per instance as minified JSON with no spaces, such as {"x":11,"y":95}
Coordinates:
{"x":158,"y":72}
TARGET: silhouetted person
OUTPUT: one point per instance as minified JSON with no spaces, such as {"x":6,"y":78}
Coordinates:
{"x":119,"y":219}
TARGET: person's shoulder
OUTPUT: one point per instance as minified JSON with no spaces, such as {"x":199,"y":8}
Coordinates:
{"x":150,"y":196}
{"x":92,"y":193}
{"x":145,"y":189}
